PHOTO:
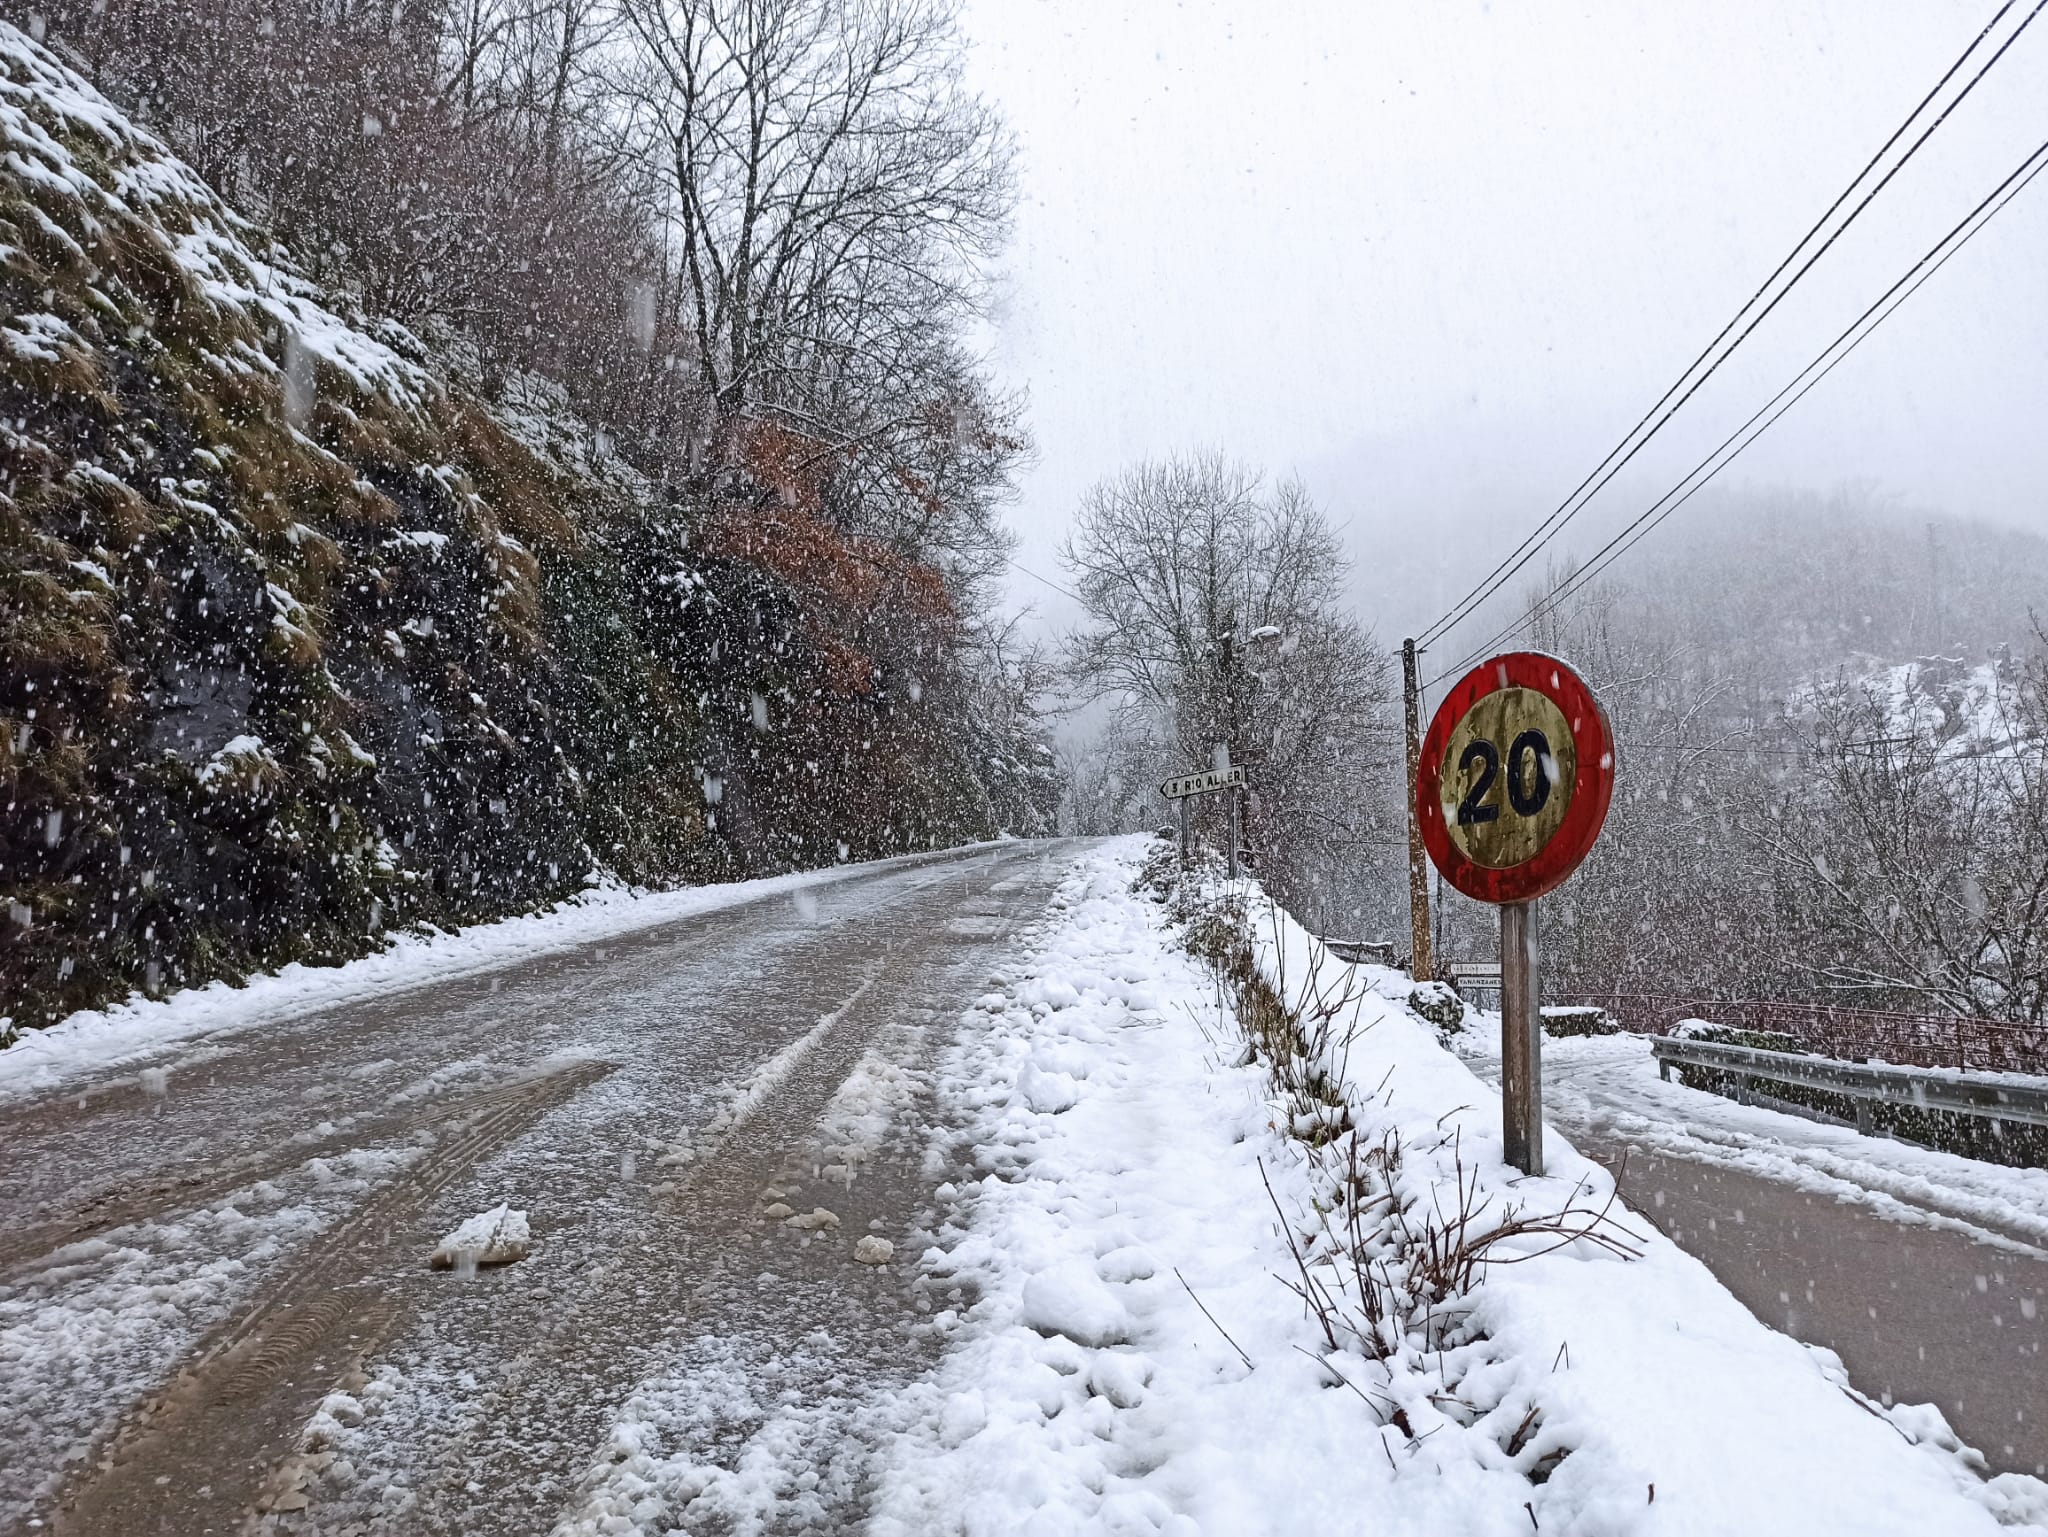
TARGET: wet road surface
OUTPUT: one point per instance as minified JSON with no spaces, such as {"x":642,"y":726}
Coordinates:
{"x":1917,"y":1314}
{"x":216,"y":1313}
{"x":1922,"y":1290}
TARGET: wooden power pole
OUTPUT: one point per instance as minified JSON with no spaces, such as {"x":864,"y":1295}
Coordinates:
{"x":1423,"y":964}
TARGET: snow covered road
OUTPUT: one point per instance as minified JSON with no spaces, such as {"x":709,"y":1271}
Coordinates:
{"x":1927,"y":1273}
{"x":216,"y":1310}
{"x":938,"y":1196}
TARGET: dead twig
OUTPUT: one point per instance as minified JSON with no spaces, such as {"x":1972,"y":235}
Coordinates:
{"x":1233,"y":1344}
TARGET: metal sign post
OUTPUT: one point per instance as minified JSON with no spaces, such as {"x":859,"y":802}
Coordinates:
{"x":1184,"y":787}
{"x":1521,"y":1038}
{"x":1513,"y":785}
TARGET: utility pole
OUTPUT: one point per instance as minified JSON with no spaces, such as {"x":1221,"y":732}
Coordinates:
{"x":1424,"y":964}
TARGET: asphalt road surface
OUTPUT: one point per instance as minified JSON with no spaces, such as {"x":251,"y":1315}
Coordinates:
{"x":194,"y":1258}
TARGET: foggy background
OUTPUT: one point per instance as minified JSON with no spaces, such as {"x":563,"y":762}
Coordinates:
{"x":1437,"y":260}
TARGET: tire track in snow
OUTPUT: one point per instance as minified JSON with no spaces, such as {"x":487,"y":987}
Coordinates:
{"x":167,"y":1196}
{"x":235,"y":1405}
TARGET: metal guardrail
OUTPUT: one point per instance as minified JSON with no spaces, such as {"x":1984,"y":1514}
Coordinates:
{"x":1357,"y":952}
{"x":1868,"y":1084}
{"x":1837,"y":1030}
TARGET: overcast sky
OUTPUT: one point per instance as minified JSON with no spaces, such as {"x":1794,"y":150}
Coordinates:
{"x":1437,"y":258}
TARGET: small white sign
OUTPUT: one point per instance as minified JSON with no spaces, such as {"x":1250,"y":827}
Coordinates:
{"x":1183,"y":785}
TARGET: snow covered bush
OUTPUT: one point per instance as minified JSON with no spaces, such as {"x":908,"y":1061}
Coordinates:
{"x":1400,"y":1229}
{"x":1439,"y":1003}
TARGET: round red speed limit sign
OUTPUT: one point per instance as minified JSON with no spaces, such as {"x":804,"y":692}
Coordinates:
{"x":1516,"y":774}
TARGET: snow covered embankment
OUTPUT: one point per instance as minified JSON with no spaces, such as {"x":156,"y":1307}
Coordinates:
{"x":94,"y":1040}
{"x":1485,"y":1355}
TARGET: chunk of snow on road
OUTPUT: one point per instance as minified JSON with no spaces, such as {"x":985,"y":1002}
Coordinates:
{"x":499,"y":1236}
{"x":1071,"y":1299}
{"x":874,"y":1251}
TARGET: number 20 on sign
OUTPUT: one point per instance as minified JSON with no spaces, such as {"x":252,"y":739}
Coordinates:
{"x":1516,"y":775}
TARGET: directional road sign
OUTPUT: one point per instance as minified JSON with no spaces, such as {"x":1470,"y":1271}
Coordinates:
{"x":1183,"y":785}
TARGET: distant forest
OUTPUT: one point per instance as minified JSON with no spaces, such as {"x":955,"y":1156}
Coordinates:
{"x":1833,"y":779}
{"x":1832,"y":717}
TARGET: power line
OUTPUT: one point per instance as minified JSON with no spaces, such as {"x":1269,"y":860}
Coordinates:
{"x":1573,"y":504}
{"x":1910,"y":282}
{"x":1566,"y":511}
{"x":1626,"y":539}
{"x":1048,"y":581}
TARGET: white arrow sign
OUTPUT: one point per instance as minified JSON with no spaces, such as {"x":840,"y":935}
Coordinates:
{"x":1183,"y":785}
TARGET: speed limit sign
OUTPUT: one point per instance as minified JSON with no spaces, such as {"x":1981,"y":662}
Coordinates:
{"x":1516,"y":774}
{"x":1511,"y":789}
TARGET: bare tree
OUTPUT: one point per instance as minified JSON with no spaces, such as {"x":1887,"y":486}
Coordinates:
{"x":1216,"y":615}
{"x":1918,"y":855}
{"x":1185,"y":566}
{"x":1878,"y":840}
{"x":832,"y":184}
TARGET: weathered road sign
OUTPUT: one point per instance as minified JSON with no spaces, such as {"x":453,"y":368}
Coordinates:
{"x":1516,"y":774}
{"x":1513,"y":785}
{"x":1183,"y":785}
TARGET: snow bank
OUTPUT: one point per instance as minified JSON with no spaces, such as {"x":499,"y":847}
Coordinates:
{"x":1129,"y":1356}
{"x":1616,"y":1077}
{"x":98,"y":1039}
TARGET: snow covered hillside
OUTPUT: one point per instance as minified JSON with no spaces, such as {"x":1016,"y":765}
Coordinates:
{"x":308,"y":634}
{"x":1969,"y":710}
{"x":1127,"y":1286}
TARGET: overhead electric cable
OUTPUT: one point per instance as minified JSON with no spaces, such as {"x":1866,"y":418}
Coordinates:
{"x":1960,"y":235}
{"x":1568,"y":509}
{"x":1048,"y":581}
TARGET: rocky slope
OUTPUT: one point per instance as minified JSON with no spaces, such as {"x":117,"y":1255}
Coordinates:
{"x":301,"y":638}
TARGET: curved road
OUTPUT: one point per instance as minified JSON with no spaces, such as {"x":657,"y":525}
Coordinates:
{"x":216,"y":1312}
